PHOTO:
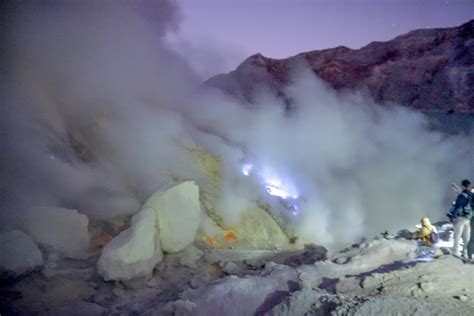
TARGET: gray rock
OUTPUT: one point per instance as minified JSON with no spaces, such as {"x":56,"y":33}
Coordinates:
{"x":369,"y":282}
{"x":137,"y":283}
{"x":463,"y":298}
{"x":190,"y":256}
{"x":231,"y":268}
{"x":184,"y":307}
{"x":416,"y":291}
{"x":86,"y":274}
{"x":62,"y":230}
{"x":199,"y":280}
{"x":18,"y":254}
{"x":341,"y":260}
{"x":304,"y":281}
{"x":309,"y":255}
{"x":94,"y":285}
{"x":79,"y":309}
{"x":348,"y":285}
{"x":426,"y":286}
{"x":404,"y":233}
{"x":118,"y":292}
{"x":438,"y":253}
{"x":153,"y":282}
{"x":270,"y":265}
{"x":425,"y":277}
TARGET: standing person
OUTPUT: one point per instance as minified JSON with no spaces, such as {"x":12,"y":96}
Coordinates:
{"x":461,"y":217}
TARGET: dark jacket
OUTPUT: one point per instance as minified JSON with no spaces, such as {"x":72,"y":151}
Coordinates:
{"x":463,"y":205}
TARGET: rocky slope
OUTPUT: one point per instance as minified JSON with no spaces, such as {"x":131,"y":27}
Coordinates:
{"x":431,"y":70}
{"x":378,"y":277}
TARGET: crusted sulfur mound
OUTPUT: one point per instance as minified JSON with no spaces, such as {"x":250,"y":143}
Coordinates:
{"x":178,"y":214}
{"x":256,"y":230}
{"x":134,"y":252}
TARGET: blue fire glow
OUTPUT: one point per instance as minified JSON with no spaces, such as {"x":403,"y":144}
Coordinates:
{"x":274,"y":186}
{"x":246,"y":169}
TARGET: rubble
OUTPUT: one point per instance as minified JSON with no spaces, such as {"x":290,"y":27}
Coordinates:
{"x":190,"y":256}
{"x":373,"y":281}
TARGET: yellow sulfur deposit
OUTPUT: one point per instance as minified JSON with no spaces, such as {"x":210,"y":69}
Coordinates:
{"x":256,"y":230}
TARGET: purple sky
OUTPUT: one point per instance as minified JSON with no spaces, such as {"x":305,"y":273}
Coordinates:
{"x":217,"y":34}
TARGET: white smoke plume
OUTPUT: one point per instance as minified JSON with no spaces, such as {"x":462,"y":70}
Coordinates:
{"x":358,"y":167}
{"x":98,"y":109}
{"x":90,"y":93}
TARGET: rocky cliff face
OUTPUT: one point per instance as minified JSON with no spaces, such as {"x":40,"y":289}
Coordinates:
{"x":431,"y":70}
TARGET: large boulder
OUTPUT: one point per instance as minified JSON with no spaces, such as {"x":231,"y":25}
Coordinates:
{"x":178,"y":214}
{"x":256,"y":230}
{"x":134,"y":252}
{"x":63,"y":230}
{"x":19,"y":254}
{"x":210,"y":181}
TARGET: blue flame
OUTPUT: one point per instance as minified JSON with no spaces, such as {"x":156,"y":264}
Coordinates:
{"x":274,"y":186}
{"x":296,"y":210}
{"x":279,"y":191}
{"x":247,"y":168}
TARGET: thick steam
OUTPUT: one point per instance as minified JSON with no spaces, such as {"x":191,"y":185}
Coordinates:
{"x":99,"y":111}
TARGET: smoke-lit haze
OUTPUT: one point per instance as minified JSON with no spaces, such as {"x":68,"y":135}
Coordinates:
{"x":98,"y":112}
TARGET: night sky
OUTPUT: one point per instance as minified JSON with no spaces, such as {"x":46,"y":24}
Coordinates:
{"x":216,"y":35}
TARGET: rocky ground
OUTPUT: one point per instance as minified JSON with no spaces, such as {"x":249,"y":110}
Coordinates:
{"x":380,"y":277}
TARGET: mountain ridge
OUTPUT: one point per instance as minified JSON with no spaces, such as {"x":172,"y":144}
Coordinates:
{"x":430,"y":70}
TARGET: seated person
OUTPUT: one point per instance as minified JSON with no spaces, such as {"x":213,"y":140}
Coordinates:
{"x":427,"y":233}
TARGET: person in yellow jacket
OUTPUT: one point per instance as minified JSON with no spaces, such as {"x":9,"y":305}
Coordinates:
{"x":424,"y":233}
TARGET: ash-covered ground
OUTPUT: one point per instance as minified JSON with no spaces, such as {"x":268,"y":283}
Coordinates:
{"x":377,"y":277}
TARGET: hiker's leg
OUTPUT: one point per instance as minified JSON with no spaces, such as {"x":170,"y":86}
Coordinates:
{"x":466,"y":237}
{"x":470,"y":246}
{"x":457,"y":236}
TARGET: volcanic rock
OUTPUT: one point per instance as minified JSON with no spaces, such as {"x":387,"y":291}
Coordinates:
{"x":431,"y":70}
{"x":134,"y":252}
{"x":19,"y":254}
{"x":63,"y":230}
{"x":178,"y":214}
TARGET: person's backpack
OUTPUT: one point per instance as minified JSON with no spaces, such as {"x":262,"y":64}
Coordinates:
{"x":460,"y":211}
{"x":452,"y":212}
{"x":433,"y":237}
{"x":467,"y":209}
